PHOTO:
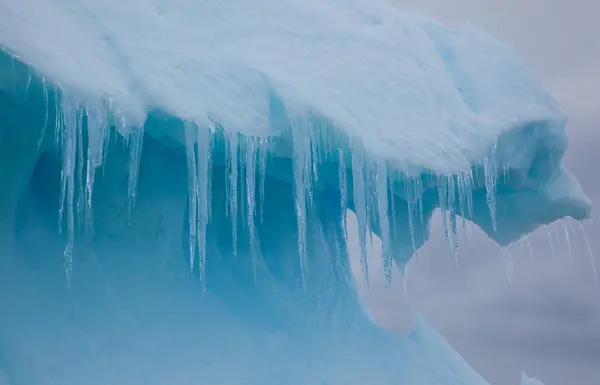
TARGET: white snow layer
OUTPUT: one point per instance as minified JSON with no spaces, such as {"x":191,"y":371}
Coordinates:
{"x":413,"y":92}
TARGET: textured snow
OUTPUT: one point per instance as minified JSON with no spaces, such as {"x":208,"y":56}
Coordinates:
{"x":229,"y":139}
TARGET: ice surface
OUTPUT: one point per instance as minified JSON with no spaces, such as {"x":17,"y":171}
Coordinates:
{"x":229,"y":139}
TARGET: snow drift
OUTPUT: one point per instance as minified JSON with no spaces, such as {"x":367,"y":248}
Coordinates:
{"x":225,"y":141}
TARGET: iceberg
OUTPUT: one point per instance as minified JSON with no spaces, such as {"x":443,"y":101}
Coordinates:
{"x":176,"y":175}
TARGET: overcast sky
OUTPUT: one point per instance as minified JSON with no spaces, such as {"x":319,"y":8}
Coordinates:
{"x":547,"y":321}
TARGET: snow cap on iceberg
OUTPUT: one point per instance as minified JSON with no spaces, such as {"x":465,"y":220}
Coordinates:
{"x":412,"y":91}
{"x":453,"y":113}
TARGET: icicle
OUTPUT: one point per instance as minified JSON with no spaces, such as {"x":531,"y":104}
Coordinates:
{"x":97,"y":128}
{"x":203,"y":171}
{"x":371,"y":191}
{"x":452,"y":218}
{"x":198,"y":143}
{"x":447,"y":193}
{"x":210,"y":154}
{"x":463,"y":191}
{"x":568,"y":239}
{"x":58,"y":115}
{"x":302,"y":174}
{"x":251,"y":154}
{"x":310,"y":162}
{"x":491,"y":178}
{"x":442,"y":185}
{"x":190,"y":144}
{"x":45,"y":126}
{"x":136,"y":139}
{"x":531,"y":255}
{"x":232,"y":180}
{"x":343,"y":191}
{"x":14,"y":74}
{"x":467,"y":202}
{"x":227,"y":172}
{"x":89,"y":190}
{"x":314,"y":156}
{"x":411,"y":226}
{"x":63,"y":179}
{"x":80,"y":195}
{"x":28,"y":84}
{"x":508,"y":263}
{"x":262,"y":172}
{"x":110,"y":131}
{"x":384,"y":221}
{"x":68,"y":130}
{"x":419,"y":188}
{"x":243,"y":146}
{"x":360,"y":207}
{"x":392,"y":205}
{"x":588,"y":247}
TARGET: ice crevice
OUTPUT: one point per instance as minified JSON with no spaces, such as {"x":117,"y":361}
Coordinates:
{"x":238,"y":171}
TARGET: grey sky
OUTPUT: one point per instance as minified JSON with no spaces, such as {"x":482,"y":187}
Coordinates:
{"x":548,"y":320}
{"x":559,"y":38}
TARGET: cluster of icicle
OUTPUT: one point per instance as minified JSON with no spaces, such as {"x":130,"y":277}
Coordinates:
{"x":101,"y":122}
{"x":246,"y":156}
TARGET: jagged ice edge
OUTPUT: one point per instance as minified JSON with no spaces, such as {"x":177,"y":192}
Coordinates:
{"x":373,"y":179}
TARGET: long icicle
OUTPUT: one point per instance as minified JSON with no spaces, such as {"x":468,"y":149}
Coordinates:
{"x":97,"y":127}
{"x":384,"y":221}
{"x":68,"y":130}
{"x":490,"y":168}
{"x":360,"y":207}
{"x":232,"y":193}
{"x":301,"y":171}
{"x":190,"y":144}
{"x":251,"y":153}
{"x":135,"y":153}
{"x":80,"y":164}
{"x":45,"y":126}
{"x":262,"y":167}
{"x":343,"y":181}
{"x":199,"y":156}
{"x":203,"y":173}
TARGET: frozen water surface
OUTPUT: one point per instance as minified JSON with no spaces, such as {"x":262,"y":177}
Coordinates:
{"x":175,"y":177}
